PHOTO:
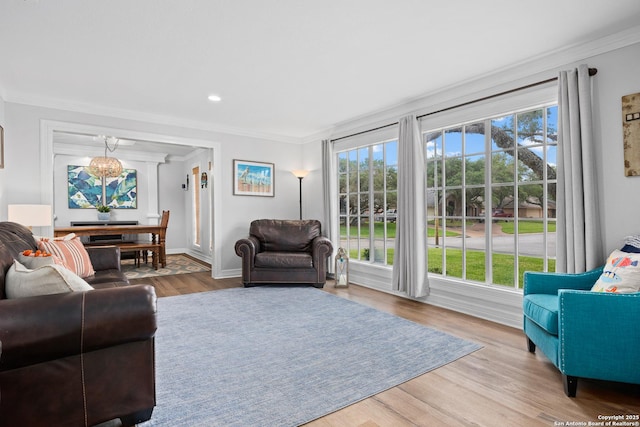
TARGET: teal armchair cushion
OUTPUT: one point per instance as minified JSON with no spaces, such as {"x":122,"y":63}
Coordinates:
{"x":543,"y":310}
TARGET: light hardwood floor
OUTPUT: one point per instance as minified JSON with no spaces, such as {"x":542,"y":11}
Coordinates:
{"x":500,"y":385}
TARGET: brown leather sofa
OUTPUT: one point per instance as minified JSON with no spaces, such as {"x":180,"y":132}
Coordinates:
{"x":80,"y":358}
{"x":284,"y":252}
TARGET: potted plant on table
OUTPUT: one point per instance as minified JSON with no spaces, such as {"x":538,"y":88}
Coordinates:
{"x":104,"y":212}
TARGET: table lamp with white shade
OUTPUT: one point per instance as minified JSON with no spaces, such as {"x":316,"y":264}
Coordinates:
{"x":30,"y":215}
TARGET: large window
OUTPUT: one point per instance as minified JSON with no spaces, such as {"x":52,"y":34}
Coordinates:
{"x":491,"y":191}
{"x":367,"y":181}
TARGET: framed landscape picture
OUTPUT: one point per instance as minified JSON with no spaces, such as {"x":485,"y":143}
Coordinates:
{"x":253,"y":178}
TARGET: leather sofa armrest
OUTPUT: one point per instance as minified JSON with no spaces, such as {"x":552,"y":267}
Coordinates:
{"x":321,"y":248}
{"x":49,"y":327}
{"x":248,"y":248}
{"x":104,"y":257}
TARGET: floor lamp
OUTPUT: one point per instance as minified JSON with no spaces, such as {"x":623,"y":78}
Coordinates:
{"x":300,"y":174}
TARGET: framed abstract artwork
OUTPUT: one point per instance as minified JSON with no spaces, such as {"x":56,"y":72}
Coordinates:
{"x":86,"y":191}
{"x":121,"y":192}
{"x":253,"y":178}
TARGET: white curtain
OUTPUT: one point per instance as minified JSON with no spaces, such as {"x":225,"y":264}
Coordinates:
{"x":330,"y":207}
{"x":410,"y":257}
{"x":579,"y":235}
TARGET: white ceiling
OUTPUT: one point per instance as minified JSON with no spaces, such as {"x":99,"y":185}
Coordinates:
{"x":284,"y":68}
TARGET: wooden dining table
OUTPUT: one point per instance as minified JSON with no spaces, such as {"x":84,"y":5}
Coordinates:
{"x":108,"y":230}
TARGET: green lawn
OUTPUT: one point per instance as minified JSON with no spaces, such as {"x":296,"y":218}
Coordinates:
{"x":526,"y":227}
{"x":503,"y":265}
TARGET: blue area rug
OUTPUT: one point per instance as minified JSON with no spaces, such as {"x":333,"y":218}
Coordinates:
{"x":282,"y":356}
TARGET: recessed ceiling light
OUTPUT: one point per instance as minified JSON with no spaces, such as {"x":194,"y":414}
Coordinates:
{"x":214,"y":98}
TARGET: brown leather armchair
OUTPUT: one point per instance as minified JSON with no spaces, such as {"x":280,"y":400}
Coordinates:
{"x":284,"y":252}
{"x":79,"y":358}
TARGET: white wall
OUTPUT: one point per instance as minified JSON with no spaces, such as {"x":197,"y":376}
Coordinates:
{"x":21,"y":180}
{"x":617,"y":76}
{"x":2,"y":171}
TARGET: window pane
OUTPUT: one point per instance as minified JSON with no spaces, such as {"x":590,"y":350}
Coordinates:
{"x":453,"y":171}
{"x":502,"y":202}
{"x":552,"y":125}
{"x":453,"y":142}
{"x":502,"y":133}
{"x":342,"y":162}
{"x":530,"y":127}
{"x":502,"y":167}
{"x":474,"y":138}
{"x":503,"y":255}
{"x":363,"y":158}
{"x":531,"y":164}
{"x":475,"y":202}
{"x":531,"y":202}
{"x":342,"y":183}
{"x":475,"y":265}
{"x":474,"y":170}
{"x":392,"y":178}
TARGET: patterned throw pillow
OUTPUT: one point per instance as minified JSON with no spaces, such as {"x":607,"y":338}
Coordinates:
{"x":621,"y":274}
{"x":21,"y":282}
{"x":72,"y":252}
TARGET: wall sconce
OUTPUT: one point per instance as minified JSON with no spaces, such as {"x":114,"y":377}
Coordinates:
{"x":342,"y":269}
{"x":30,"y":215}
{"x":300,"y":174}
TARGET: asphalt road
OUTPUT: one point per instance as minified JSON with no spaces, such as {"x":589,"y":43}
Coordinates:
{"x":530,"y":244}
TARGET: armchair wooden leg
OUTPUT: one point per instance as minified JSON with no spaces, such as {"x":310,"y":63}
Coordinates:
{"x":570,"y":385}
{"x":531,"y":345}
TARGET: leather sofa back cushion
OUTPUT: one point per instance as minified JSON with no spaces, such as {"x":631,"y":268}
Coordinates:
{"x":285,"y":235}
{"x":14,"y":238}
{"x":49,"y":279}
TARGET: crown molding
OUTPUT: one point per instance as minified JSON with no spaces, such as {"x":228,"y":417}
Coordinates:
{"x":99,"y":110}
{"x":81,"y":151}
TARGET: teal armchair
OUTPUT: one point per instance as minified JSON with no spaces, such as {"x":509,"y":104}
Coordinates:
{"x":585,"y":334}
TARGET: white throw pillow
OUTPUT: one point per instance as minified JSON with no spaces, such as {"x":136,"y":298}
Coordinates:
{"x":621,"y":274}
{"x":21,"y":282}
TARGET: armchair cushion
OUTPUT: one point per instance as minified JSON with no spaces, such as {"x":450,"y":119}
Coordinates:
{"x":542,"y":309}
{"x":621,"y":274}
{"x":284,"y":260}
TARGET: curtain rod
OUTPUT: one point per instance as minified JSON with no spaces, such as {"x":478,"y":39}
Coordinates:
{"x":592,"y":72}
{"x":365,"y":131}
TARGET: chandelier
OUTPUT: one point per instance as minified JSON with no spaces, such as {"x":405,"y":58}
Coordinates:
{"x":106,"y":167}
